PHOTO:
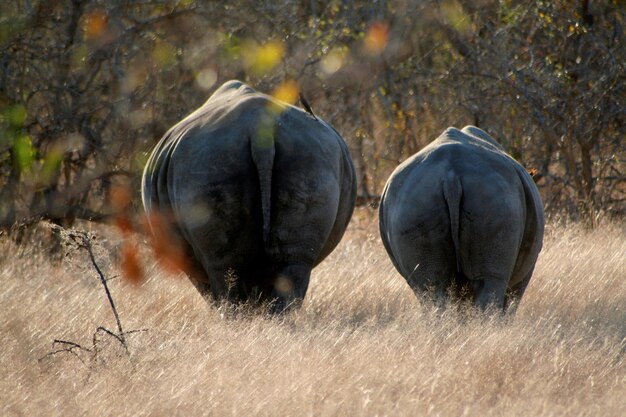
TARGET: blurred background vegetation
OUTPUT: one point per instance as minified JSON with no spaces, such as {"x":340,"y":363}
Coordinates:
{"x":87,"y":87}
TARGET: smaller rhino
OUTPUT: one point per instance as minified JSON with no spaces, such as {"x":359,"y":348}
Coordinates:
{"x":463,"y":215}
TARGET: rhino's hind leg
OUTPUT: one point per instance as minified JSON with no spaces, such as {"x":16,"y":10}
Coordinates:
{"x":515,"y":293}
{"x":232,"y":285}
{"x":214,"y":285}
{"x":198,"y":278}
{"x":431,"y":281}
{"x":290,"y":286}
{"x":490,"y":292}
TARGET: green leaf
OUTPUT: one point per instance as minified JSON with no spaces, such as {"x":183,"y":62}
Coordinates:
{"x":15,"y":115}
{"x":51,"y":164}
{"x":23,"y":152}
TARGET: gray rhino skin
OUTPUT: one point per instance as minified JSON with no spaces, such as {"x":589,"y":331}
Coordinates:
{"x":259,"y":191}
{"x":463,"y":215}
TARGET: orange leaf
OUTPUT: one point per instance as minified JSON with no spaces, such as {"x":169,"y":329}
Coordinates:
{"x":166,"y":244}
{"x":124,"y":224}
{"x":95,"y":24}
{"x":120,"y":198}
{"x":130,"y":264}
{"x":376,"y":38}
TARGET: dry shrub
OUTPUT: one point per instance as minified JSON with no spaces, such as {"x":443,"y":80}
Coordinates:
{"x":362,"y":344}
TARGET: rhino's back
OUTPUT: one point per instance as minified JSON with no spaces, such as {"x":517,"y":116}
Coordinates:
{"x":481,"y":165}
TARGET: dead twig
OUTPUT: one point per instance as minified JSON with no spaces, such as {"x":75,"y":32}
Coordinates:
{"x":77,"y":239}
{"x":119,"y":337}
{"x":84,"y":241}
{"x":71,"y":347}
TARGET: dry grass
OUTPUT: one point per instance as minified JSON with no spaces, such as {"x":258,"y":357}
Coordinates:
{"x":361,"y":345}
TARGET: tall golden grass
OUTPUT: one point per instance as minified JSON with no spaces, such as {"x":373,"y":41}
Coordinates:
{"x":362,"y":344}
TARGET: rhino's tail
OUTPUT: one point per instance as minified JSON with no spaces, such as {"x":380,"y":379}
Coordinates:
{"x":263,"y":152}
{"x":452,"y":192}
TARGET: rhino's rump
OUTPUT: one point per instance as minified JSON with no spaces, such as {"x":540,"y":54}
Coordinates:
{"x":254,"y":186}
{"x":216,"y":198}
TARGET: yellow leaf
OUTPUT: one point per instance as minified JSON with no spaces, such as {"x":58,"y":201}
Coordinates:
{"x":163,"y":54}
{"x":260,"y":59}
{"x":287,"y":91}
{"x":334,"y":60}
{"x":455,"y":15}
{"x":206,"y":78}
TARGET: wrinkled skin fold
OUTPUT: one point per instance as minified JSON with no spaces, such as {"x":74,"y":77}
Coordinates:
{"x":257,"y":191}
{"x":463,"y":217}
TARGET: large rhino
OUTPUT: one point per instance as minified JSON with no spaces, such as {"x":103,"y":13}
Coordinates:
{"x":463,"y":217}
{"x":259,"y":191}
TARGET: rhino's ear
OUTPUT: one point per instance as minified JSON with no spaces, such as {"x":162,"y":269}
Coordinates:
{"x":232,"y":86}
{"x":535,"y":174}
